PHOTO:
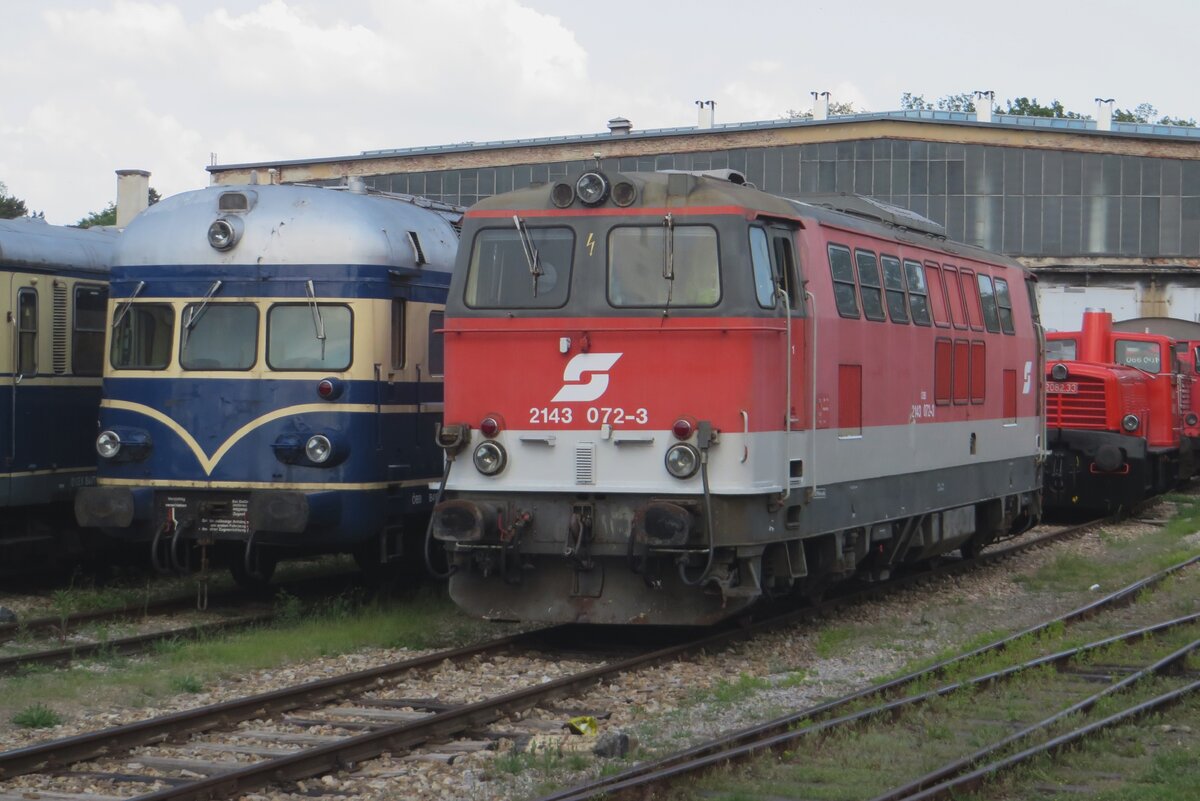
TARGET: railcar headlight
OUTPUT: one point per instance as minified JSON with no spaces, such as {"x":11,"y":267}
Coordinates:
{"x":592,"y":188}
{"x":318,"y":449}
{"x":1059,"y":372}
{"x":682,"y":460}
{"x":562,"y":195}
{"x":108,"y":444}
{"x":224,"y":232}
{"x":1130,"y":422}
{"x":489,"y":458}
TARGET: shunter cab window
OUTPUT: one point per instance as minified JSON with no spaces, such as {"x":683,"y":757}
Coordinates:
{"x":1142,"y":355}
{"x":87,"y":335}
{"x":294,"y":339}
{"x":893,"y":285}
{"x":218,"y":336}
{"x":663,"y":265}
{"x":142,"y":336}
{"x":27,"y":325}
{"x":528,"y":268}
{"x":1060,"y":350}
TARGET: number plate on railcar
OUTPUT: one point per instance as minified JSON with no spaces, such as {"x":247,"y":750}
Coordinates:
{"x":1062,"y":387}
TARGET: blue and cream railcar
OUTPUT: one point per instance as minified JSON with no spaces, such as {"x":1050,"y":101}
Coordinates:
{"x":53,"y":288}
{"x":274,"y":374}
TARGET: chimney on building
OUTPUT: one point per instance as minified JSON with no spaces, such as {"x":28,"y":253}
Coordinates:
{"x":133,"y":195}
{"x":1104,"y":107}
{"x":984,"y":98}
{"x":708,"y":113}
{"x":619,"y":126}
{"x":820,"y":105}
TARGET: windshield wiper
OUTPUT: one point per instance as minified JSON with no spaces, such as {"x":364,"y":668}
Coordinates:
{"x":669,"y":248}
{"x":318,"y":322}
{"x":531,"y":254}
{"x":128,"y":302}
{"x":195,"y":312}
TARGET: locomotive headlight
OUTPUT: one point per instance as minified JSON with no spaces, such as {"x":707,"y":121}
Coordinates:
{"x":225,"y":232}
{"x":108,"y":444}
{"x":318,"y":449}
{"x":592,"y":188}
{"x":1130,"y":422}
{"x":1059,"y":372}
{"x":682,"y":460}
{"x":489,"y":458}
{"x":1191,"y":419}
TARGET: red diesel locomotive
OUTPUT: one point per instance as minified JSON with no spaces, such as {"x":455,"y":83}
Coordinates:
{"x":1115,"y":416}
{"x":669,"y":395}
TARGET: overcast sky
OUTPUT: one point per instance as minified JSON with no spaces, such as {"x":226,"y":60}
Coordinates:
{"x":92,"y":86}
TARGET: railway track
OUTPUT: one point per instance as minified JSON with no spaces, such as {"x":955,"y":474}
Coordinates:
{"x":885,"y":701}
{"x":327,"y":725}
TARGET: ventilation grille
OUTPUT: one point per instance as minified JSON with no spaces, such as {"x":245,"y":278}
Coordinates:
{"x":1082,"y":409}
{"x":60,"y":328}
{"x":585,"y":463}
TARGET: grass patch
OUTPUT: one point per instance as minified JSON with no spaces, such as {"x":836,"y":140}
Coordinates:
{"x":186,"y":684}
{"x":831,"y":639}
{"x":38,"y":716}
{"x":745,"y":685}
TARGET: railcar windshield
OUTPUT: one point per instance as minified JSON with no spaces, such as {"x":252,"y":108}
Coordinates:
{"x":142,"y":338}
{"x":1142,"y":355}
{"x":221,"y":337}
{"x":304,"y":336}
{"x":528,"y":268}
{"x":663,"y":266}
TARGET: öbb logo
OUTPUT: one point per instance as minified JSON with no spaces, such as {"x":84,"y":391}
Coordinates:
{"x":598,"y":364}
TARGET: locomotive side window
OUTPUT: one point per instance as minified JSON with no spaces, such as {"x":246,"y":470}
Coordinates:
{"x":844,"y":292}
{"x":528,"y":268}
{"x":893,"y":285}
{"x":990,"y":314}
{"x":918,"y":293}
{"x":662,"y":265}
{"x":87,"y":335}
{"x":1058,"y":350}
{"x":788,"y":270}
{"x":937,"y":295}
{"x":971,"y":294}
{"x":219,"y":336}
{"x":306,"y":336}
{"x":868,"y":280}
{"x":142,"y":338}
{"x":1142,"y":355}
{"x":760,"y":262}
{"x":27,"y":331}
{"x":1003,"y":306}
{"x":437,"y":343}
{"x":399,"y":341}
{"x":954,"y":294}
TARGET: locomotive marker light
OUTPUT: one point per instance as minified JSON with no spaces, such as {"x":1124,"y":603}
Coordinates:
{"x":225,"y":232}
{"x":562,"y":195}
{"x":318,"y":449}
{"x":592,"y":188}
{"x":683,"y":428}
{"x":489,"y":458}
{"x":682,"y":460}
{"x":490,"y":426}
{"x":624,"y":193}
{"x":108,"y":444}
{"x":1130,"y":422}
{"x":330,"y":389}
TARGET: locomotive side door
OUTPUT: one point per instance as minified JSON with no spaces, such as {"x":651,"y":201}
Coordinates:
{"x":22,"y":317}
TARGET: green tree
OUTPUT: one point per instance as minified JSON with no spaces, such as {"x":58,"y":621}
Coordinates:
{"x":108,"y":216}
{"x":10,"y":207}
{"x":1147,"y":113}
{"x":1030,"y":107}
{"x":836,"y":109}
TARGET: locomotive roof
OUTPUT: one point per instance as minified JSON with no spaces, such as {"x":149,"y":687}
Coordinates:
{"x":33,"y":243}
{"x":292,"y":224}
{"x":853,"y":212}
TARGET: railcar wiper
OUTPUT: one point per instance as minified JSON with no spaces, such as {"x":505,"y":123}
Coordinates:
{"x":195,"y":312}
{"x":128,"y":302}
{"x":531,"y":254}
{"x":318,"y":322}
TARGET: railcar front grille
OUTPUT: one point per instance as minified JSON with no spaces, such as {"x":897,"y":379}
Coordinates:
{"x":1084,"y":408}
{"x":585,"y":463}
{"x":59,"y":335}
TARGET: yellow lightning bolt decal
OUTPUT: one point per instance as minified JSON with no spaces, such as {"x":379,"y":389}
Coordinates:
{"x":591,"y":244}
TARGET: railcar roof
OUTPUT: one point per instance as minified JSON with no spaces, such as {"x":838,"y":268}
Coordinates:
{"x":33,"y":243}
{"x":290,"y":224}
{"x":852,"y":212}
